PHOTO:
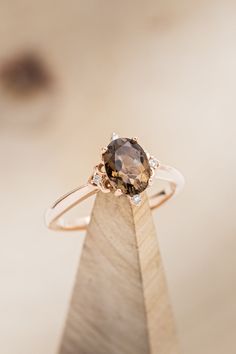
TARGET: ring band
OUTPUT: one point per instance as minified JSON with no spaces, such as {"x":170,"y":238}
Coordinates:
{"x":55,"y":216}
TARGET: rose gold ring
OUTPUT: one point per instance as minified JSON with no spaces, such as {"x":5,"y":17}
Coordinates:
{"x":125,"y":169}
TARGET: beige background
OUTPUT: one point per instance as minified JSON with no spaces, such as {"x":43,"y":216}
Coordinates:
{"x":160,"y":70}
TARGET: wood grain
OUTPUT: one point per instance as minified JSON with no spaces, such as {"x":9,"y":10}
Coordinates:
{"x":120,"y":302}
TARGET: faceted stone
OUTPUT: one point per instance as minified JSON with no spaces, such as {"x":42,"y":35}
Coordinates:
{"x":127,"y":166}
{"x":96,"y":179}
{"x":153,"y":162}
{"x":136,"y":199}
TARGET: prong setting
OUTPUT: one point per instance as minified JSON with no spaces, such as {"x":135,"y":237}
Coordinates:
{"x":100,"y":180}
{"x":118,"y":192}
{"x":150,"y":182}
{"x":114,"y":136}
{"x":104,"y":149}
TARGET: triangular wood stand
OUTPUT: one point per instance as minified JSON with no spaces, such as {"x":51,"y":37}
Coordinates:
{"x":120,"y":302}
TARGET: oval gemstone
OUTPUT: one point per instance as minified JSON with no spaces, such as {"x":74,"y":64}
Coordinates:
{"x":127,"y":166}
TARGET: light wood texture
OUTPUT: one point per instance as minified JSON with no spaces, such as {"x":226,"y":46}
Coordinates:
{"x":120,"y":302}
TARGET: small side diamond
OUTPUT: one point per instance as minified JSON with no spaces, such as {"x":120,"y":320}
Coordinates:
{"x":96,"y":179}
{"x":136,"y":199}
{"x":153,"y":162}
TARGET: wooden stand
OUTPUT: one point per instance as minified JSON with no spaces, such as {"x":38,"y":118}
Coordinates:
{"x":120,"y":302}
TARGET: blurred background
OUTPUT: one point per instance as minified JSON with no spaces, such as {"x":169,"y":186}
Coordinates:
{"x":71,"y":73}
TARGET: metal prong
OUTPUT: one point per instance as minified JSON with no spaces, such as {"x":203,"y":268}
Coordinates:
{"x":135,"y":139}
{"x":150,"y":182}
{"x":104,"y":149}
{"x":114,"y":136}
{"x":118,"y":192}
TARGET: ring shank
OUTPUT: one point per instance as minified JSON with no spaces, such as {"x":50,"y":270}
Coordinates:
{"x":175,"y":184}
{"x":55,"y":215}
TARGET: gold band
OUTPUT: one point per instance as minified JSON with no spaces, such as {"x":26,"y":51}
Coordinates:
{"x":55,"y":216}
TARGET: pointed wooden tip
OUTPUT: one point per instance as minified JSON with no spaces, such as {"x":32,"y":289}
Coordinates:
{"x":120,"y":301}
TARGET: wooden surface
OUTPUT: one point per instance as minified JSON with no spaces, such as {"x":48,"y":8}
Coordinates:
{"x":120,"y":302}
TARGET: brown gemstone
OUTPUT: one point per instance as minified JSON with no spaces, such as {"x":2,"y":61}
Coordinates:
{"x":127,"y":166}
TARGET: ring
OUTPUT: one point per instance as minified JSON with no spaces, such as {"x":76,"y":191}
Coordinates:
{"x":125,"y":169}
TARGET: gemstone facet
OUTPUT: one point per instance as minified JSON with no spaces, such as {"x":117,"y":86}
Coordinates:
{"x":127,"y":166}
{"x":136,"y":199}
{"x":153,"y":162}
{"x":96,"y":179}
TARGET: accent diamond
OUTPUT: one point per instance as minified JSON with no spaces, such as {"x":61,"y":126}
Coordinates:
{"x":96,"y":179}
{"x":153,"y":162}
{"x":136,"y":199}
